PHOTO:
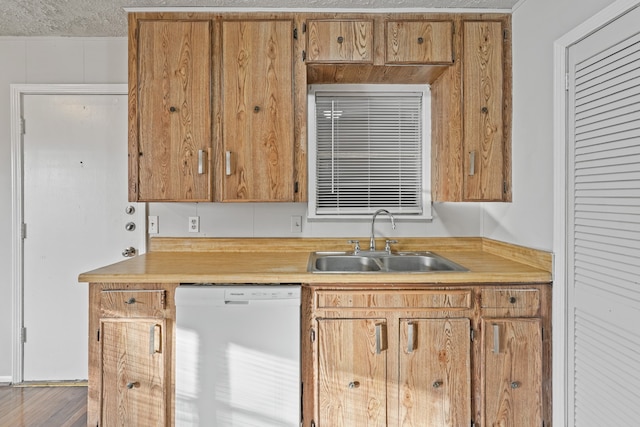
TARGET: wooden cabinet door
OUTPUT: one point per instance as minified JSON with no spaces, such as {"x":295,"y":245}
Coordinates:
{"x":434,"y":372}
{"x":482,"y":87}
{"x":512,"y":372}
{"x":170,"y":161}
{"x":419,"y":42}
{"x":257,"y":81}
{"x":133,"y":372}
{"x":352,"y":372}
{"x":335,"y":41}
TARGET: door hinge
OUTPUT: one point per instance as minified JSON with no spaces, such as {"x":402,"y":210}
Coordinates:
{"x":312,"y":335}
{"x":304,"y":56}
{"x":23,"y":231}
{"x":504,"y":187}
{"x":472,"y":334}
{"x":295,"y":34}
{"x":304,"y":27}
{"x":505,"y":35}
{"x":22,"y":126}
{"x":98,"y":336}
{"x":23,"y":335}
{"x":295,"y":187}
{"x":566,"y":81}
{"x":313,"y":423}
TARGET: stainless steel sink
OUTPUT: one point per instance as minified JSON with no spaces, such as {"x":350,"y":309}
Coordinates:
{"x":380,"y":262}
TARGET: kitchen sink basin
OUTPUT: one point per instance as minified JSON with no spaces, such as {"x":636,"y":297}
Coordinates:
{"x":380,"y":262}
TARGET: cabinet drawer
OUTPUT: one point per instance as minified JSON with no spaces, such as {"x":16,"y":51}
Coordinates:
{"x":419,"y":42}
{"x":444,"y":299}
{"x":340,"y":41}
{"x":134,"y":303}
{"x":521,"y":299}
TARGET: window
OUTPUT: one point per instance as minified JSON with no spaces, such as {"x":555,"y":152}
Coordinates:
{"x":368,"y":150}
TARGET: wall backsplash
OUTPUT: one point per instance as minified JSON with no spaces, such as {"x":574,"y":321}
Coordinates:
{"x":274,"y":220}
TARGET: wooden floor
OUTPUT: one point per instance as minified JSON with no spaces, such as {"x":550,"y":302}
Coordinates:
{"x":43,"y":406}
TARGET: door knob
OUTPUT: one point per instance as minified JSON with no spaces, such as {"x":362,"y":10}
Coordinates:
{"x":129,"y":252}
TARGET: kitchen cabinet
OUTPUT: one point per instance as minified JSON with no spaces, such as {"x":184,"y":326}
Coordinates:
{"x":471,"y":140}
{"x":425,"y":355}
{"x":170,"y":110}
{"x":340,"y":41}
{"x":419,"y":42}
{"x":389,"y":358}
{"x":482,"y":121}
{"x":130,"y":356}
{"x":512,"y":358}
{"x":258,"y":111}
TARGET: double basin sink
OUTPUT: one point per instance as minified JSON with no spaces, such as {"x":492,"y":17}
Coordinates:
{"x":380,"y":262}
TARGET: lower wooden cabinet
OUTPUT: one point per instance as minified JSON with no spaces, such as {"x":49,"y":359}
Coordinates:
{"x":133,"y":382}
{"x":425,"y":357}
{"x":130,"y":347}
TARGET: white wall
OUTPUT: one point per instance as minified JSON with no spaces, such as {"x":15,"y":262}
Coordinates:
{"x":536,"y":25}
{"x":104,"y":60}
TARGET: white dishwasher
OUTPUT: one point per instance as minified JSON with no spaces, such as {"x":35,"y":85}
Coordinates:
{"x":237,"y":355}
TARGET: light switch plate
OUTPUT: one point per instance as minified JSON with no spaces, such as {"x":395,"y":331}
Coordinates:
{"x":296,"y":224}
{"x":153,"y":224}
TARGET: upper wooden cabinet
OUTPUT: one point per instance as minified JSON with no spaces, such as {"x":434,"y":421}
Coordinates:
{"x":336,"y":40}
{"x":257,"y":110}
{"x":419,"y":42}
{"x":170,"y":110}
{"x":482,"y":121}
{"x":471,"y":116}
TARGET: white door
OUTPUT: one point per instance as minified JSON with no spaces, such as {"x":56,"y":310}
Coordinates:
{"x":603,"y":223}
{"x":75,"y":197}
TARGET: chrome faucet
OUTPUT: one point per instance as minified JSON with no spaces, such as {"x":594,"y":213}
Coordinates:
{"x":372,"y":241}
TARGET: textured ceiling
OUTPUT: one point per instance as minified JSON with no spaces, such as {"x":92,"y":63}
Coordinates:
{"x":104,"y":18}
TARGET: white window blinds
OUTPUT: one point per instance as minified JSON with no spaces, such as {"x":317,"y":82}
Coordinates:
{"x":368,"y":152}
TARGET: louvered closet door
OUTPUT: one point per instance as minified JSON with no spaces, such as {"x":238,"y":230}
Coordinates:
{"x":603,"y":205}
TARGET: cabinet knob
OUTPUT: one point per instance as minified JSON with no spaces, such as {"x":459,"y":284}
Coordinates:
{"x":437,"y":384}
{"x":172,"y":109}
{"x":340,"y":39}
{"x":484,"y":110}
{"x":354,"y":384}
{"x":512,"y":300}
{"x":256,"y":109}
{"x":130,"y":226}
{"x":131,"y":300}
{"x":132,"y":385}
{"x":420,"y":40}
{"x":515,"y":385}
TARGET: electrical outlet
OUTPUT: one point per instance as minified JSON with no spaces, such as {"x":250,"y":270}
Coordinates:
{"x":194,"y":224}
{"x":296,"y":224}
{"x":153,"y":224}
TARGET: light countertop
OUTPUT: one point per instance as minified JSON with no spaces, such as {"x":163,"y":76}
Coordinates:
{"x":209,"y":260}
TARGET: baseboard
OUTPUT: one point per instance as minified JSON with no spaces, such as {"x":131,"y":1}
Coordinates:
{"x":5,"y":380}
{"x":71,"y":383}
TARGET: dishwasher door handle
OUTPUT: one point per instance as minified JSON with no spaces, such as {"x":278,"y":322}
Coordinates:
{"x":227,"y":302}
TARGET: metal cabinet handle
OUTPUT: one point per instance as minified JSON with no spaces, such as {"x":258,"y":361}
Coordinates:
{"x":496,"y":339}
{"x":173,"y":109}
{"x":379,"y":338}
{"x":340,"y":39}
{"x":420,"y":40}
{"x":201,"y":161}
{"x":132,"y":385}
{"x":410,"y":337}
{"x":472,"y":163}
{"x":354,"y":384}
{"x":227,"y":163}
{"x":131,"y":300}
{"x":515,"y":385}
{"x":437,"y":384}
{"x":154,"y":345}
